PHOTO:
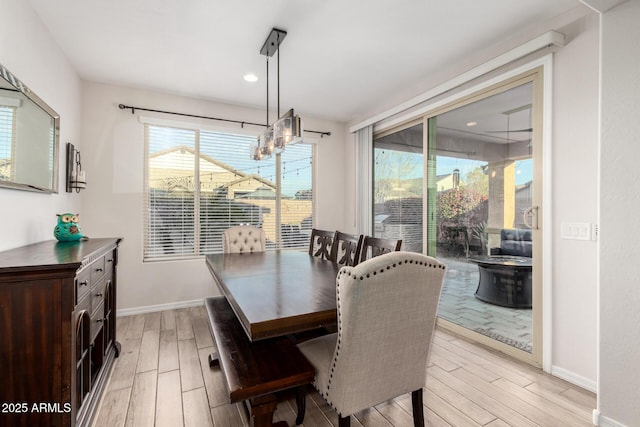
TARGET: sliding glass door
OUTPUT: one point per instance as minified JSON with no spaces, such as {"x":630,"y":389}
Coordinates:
{"x":481,"y":188}
{"x":462,"y":184}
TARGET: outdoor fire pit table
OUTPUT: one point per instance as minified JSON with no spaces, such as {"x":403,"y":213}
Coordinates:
{"x":504,"y":280}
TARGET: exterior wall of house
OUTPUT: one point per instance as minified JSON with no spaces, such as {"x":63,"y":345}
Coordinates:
{"x":27,"y":50}
{"x":619,"y":378}
{"x":112,"y":204}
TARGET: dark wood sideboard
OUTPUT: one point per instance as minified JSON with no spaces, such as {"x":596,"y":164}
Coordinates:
{"x":57,"y":331}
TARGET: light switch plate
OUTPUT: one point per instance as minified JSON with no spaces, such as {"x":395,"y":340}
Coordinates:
{"x":575,"y":230}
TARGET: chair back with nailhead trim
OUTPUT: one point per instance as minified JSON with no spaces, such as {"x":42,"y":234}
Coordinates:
{"x":387,"y":309}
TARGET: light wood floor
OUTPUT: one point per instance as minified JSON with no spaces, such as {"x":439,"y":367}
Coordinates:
{"x":162,"y":378}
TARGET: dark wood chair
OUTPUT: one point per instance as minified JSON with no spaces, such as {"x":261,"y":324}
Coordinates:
{"x":346,"y":248}
{"x":321,"y":243}
{"x":378,"y":247}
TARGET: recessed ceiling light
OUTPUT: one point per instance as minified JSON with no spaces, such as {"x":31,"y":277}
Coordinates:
{"x":471,"y":123}
{"x":251,"y":77}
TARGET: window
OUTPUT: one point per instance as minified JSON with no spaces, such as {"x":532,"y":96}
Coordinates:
{"x":7,"y":139}
{"x":201,"y":182}
{"x":397,"y":187}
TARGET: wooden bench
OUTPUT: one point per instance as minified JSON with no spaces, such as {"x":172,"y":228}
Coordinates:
{"x":254,"y":371}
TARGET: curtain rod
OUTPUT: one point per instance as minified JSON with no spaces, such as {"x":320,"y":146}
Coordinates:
{"x":240,"y":122}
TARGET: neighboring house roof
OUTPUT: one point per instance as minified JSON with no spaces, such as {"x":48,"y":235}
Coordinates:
{"x":174,"y":158}
{"x":262,"y":193}
{"x":248,"y":177}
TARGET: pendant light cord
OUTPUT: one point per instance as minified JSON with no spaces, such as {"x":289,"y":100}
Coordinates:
{"x":278,"y":65}
{"x":267,"y":90}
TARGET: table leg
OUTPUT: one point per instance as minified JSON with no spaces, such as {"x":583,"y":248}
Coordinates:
{"x":262,"y":409}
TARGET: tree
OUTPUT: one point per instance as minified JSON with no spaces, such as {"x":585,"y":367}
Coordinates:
{"x":394,"y":169}
{"x":477,"y":180}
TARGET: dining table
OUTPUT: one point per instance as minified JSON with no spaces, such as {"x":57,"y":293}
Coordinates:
{"x":277,"y":293}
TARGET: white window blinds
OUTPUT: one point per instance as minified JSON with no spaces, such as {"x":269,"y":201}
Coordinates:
{"x":200,"y":183}
{"x":7,"y":135}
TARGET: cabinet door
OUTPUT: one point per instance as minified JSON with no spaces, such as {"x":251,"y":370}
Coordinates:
{"x":109,"y":315}
{"x":83,"y":356}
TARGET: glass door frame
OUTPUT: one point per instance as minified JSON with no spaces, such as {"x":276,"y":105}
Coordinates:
{"x":534,"y":76}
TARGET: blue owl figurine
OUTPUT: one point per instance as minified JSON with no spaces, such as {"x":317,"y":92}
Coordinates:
{"x":68,"y":229}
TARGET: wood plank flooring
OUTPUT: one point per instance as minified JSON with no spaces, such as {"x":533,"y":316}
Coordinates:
{"x":162,"y":378}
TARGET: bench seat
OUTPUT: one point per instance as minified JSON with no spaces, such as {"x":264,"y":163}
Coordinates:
{"x":254,"y":371}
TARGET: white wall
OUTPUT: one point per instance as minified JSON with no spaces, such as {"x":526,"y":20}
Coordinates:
{"x":575,"y":199}
{"x":619,"y":376}
{"x":27,"y":50}
{"x":112,"y":202}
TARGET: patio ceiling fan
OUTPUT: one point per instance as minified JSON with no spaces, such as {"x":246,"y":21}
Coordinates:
{"x":508,"y":113}
{"x":509,"y":131}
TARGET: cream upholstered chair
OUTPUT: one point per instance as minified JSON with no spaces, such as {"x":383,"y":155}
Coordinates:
{"x":243,"y":238}
{"x":387,"y":309}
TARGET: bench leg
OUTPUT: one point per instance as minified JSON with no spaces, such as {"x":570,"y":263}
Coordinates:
{"x":301,"y":402}
{"x":262,"y":409}
{"x":214,"y":360}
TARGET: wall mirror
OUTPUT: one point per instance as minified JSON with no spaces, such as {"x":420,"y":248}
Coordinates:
{"x":29,"y":135}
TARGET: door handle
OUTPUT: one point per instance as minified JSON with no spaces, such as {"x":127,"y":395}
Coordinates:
{"x":533,"y":211}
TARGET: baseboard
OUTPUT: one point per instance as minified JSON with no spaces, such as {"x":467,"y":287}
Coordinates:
{"x":599,"y":420}
{"x":575,"y":379}
{"x":159,"y":307}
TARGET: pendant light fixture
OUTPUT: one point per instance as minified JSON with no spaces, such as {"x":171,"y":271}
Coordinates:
{"x":288,"y":128}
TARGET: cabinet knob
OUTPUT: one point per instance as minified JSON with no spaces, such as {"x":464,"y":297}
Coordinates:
{"x":99,"y":294}
{"x":99,"y":320}
{"x":84,"y":283}
{"x":99,"y":269}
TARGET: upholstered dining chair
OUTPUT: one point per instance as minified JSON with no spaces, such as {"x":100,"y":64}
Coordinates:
{"x":346,"y":248}
{"x":374,"y":246}
{"x":243,"y":238}
{"x":387,"y":309}
{"x":320,"y":243}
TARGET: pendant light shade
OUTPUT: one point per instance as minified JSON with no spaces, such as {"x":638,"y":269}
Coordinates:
{"x":266,"y":143}
{"x":287,"y":130}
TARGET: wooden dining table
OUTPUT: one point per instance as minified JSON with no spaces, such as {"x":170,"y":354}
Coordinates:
{"x":277,"y":293}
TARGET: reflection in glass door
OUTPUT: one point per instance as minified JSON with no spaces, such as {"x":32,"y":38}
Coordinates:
{"x":398,"y":186}
{"x":480,"y":181}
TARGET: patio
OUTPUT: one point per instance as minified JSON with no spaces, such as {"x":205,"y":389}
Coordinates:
{"x":458,"y":305}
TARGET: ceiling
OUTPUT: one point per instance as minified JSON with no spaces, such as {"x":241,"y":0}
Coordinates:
{"x":339,"y":58}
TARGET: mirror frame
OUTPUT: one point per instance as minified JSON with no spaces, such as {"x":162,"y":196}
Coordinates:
{"x":22,"y":88}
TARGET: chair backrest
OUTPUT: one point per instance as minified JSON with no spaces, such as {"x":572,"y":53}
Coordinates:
{"x":516,"y":242}
{"x":320,"y":243}
{"x":346,"y":248}
{"x":387,"y":310}
{"x":243,"y":238}
{"x":377,"y":246}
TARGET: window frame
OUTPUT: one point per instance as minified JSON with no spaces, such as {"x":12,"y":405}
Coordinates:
{"x":197,"y":252}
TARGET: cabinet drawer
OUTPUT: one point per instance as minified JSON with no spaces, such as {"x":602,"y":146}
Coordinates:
{"x":97,"y":269}
{"x":83,"y":284}
{"x":97,"y":320}
{"x":97,"y":295}
{"x":84,"y":304}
